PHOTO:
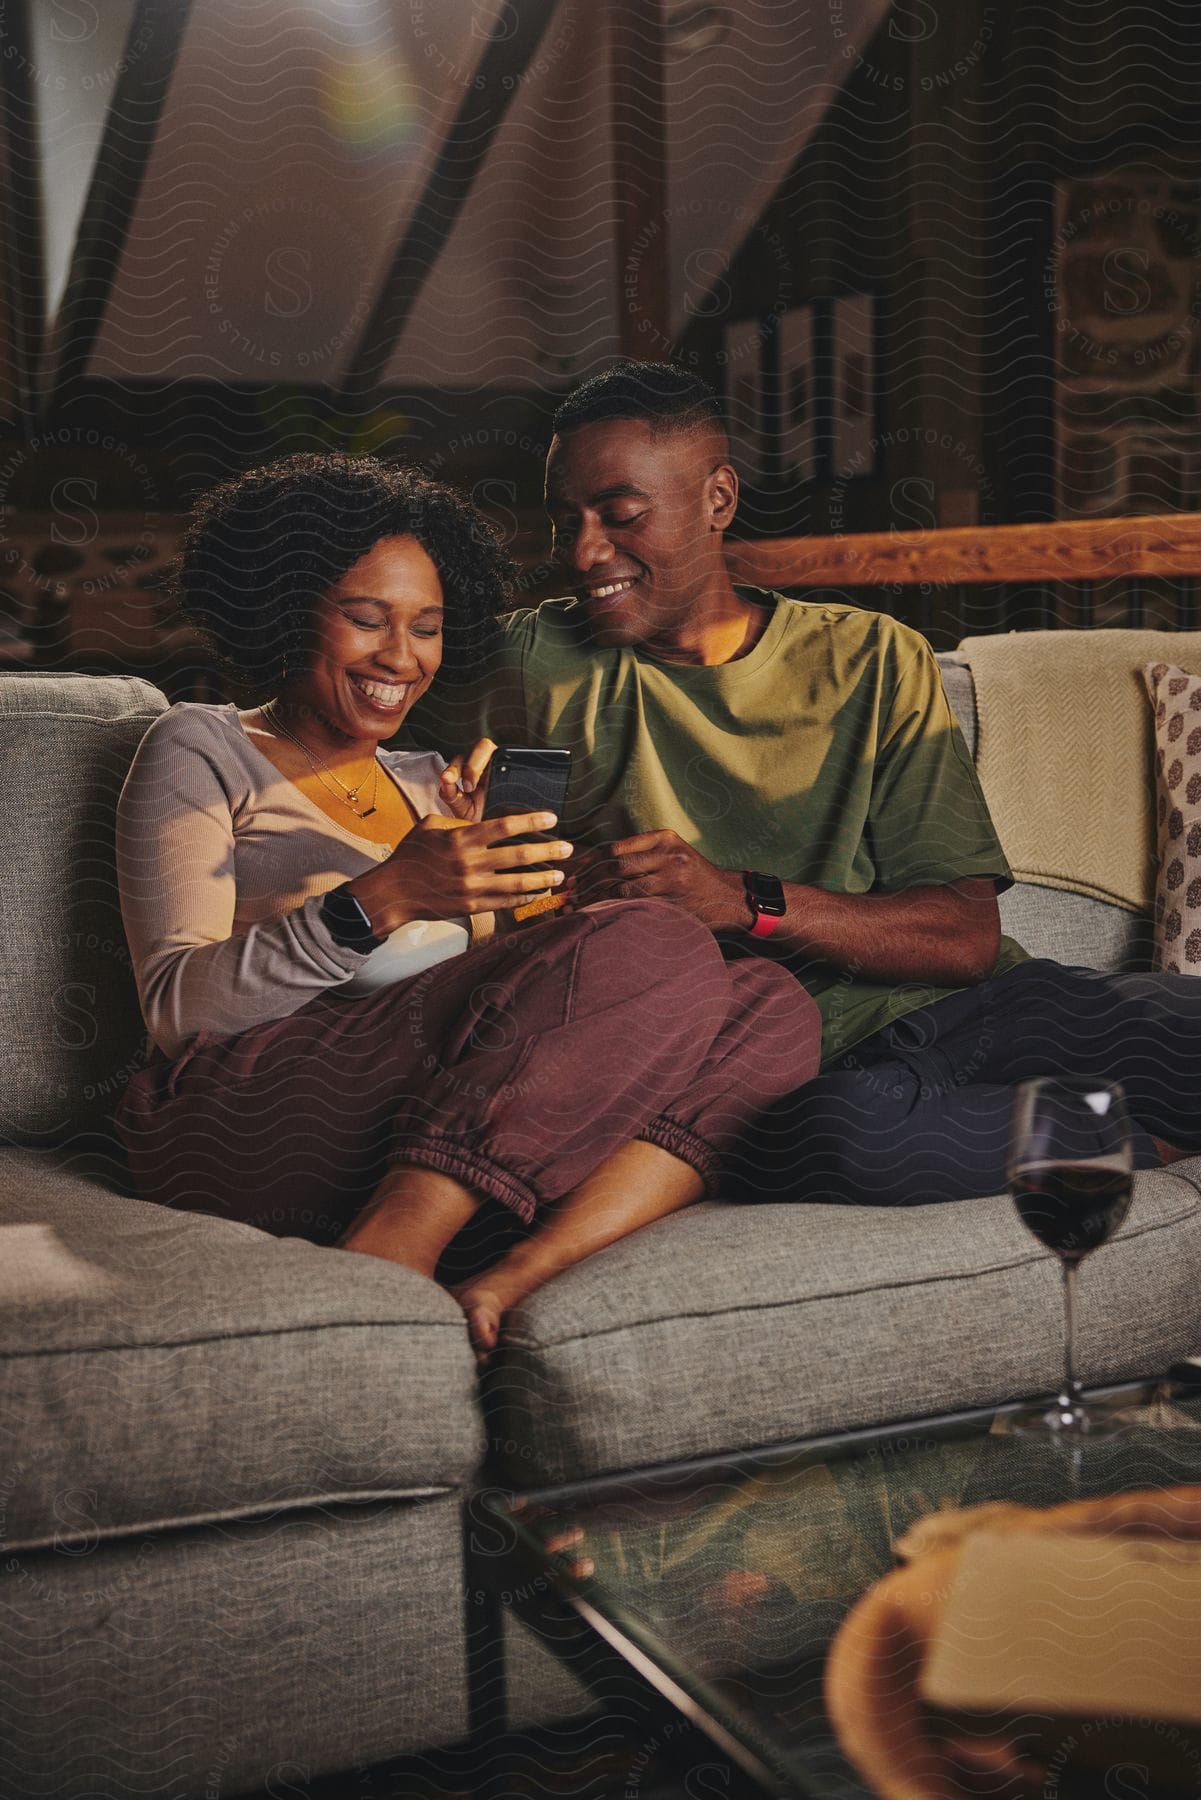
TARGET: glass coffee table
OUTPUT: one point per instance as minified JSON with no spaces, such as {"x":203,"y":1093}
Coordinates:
{"x":723,"y":1583}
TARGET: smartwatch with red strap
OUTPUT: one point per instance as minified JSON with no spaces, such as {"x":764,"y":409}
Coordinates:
{"x":765,"y":897}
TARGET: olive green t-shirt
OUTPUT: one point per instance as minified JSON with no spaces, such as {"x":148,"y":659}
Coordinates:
{"x":828,"y":755}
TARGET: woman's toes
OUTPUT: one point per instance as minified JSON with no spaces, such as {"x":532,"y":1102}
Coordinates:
{"x":483,"y":1328}
{"x":483,"y":1311}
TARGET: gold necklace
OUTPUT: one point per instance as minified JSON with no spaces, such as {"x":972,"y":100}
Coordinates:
{"x":349,"y":795}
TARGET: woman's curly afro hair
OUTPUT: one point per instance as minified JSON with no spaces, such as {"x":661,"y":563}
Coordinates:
{"x":261,"y":549}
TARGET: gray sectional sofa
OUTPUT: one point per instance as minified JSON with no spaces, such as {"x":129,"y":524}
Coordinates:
{"x":233,"y":1467}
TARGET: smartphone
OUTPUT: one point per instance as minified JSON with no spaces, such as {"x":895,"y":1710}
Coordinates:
{"x":521,"y":781}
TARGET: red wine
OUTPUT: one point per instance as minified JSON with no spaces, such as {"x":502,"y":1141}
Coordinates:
{"x":1072,"y":1208}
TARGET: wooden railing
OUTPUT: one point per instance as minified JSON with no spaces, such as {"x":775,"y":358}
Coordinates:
{"x":1069,"y":550}
{"x":951,"y":584}
{"x":1140,"y":570}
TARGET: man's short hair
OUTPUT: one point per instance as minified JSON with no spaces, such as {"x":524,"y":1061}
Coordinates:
{"x":665,"y":397}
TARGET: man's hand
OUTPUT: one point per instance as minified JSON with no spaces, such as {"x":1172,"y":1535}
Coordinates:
{"x":659,"y":865}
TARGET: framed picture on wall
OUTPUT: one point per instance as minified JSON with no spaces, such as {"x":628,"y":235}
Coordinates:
{"x":800,"y":433}
{"x":853,"y":370}
{"x":742,"y":346}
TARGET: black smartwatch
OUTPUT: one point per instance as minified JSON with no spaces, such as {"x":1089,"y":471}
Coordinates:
{"x":347,"y":922}
{"x":765,"y":897}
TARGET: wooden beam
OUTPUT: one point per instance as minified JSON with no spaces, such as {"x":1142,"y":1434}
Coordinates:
{"x":505,"y":59}
{"x":636,"y":48}
{"x":1071,"y":550}
{"x":121,"y":163}
{"x":24,"y":265}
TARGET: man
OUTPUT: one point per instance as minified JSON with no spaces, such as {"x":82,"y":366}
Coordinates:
{"x":790,"y":773}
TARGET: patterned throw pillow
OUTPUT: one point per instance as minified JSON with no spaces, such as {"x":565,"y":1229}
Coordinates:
{"x":1176,"y":698}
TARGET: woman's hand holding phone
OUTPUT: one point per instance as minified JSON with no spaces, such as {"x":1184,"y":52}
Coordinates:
{"x":446,"y":868}
{"x":464,"y":782}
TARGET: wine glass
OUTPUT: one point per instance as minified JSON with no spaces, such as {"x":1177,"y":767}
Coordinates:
{"x":1070,"y":1173}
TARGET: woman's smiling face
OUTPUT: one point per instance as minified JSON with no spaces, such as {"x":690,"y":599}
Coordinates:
{"x":378,"y":643}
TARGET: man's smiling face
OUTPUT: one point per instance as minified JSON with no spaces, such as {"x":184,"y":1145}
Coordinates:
{"x":634,"y":524}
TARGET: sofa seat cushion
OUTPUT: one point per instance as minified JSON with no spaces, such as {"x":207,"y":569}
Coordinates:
{"x":162,"y":1368}
{"x":232,"y":1659}
{"x":725,"y":1327}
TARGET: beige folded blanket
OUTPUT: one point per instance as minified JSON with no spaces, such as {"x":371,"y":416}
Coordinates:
{"x":1065,"y":754}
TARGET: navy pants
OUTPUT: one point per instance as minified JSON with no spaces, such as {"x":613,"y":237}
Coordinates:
{"x":922,"y":1111}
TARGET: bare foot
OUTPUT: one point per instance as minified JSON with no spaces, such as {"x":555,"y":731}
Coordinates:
{"x":484,"y":1308}
{"x":494,"y":1292}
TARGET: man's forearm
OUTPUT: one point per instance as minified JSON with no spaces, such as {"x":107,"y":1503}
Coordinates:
{"x":948,"y":935}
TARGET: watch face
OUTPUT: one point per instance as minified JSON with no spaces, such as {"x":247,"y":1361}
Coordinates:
{"x":766,"y":893}
{"x":347,"y":921}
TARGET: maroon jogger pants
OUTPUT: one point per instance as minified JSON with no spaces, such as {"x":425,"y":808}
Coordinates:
{"x":516,"y":1068}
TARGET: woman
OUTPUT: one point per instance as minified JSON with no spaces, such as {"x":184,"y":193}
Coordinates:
{"x":347,"y":1047}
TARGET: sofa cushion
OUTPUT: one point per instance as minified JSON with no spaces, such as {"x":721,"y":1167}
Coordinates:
{"x":1176,"y":698}
{"x":961,"y":694}
{"x":162,"y":1368}
{"x":1075,"y":928}
{"x":217,"y":1662}
{"x":1054,"y":922}
{"x":72,"y":1033}
{"x":725,"y":1327}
